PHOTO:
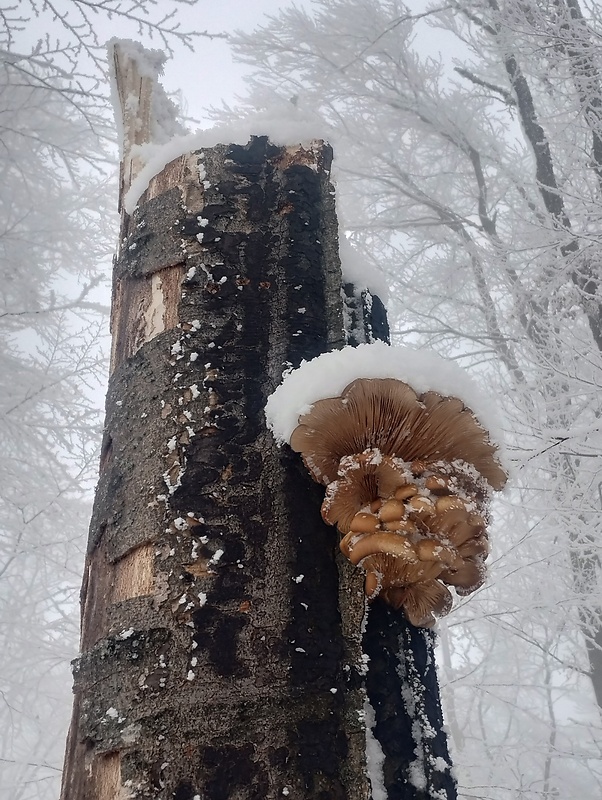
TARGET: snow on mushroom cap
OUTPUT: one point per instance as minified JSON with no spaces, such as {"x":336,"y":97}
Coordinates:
{"x":328,"y":374}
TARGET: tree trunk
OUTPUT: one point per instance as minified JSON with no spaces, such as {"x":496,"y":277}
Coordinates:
{"x":221,"y":636}
{"x":402,"y":685}
{"x":574,"y":41}
{"x":221,"y":628}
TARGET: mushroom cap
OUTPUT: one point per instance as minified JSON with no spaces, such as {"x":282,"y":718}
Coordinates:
{"x":467,"y":578}
{"x":387,"y":415}
{"x":422,"y":603}
{"x":400,"y":569}
{"x":362,"y":478}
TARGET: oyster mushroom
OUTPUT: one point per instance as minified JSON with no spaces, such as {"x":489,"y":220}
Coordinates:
{"x":407,"y":479}
{"x":388,"y":415}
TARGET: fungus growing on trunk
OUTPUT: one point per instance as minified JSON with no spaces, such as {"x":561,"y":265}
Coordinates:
{"x":408,"y":479}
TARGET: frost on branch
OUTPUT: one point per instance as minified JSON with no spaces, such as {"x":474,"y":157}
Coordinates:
{"x":408,"y":479}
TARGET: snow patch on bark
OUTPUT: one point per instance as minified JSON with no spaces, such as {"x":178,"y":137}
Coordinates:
{"x":374,"y":755}
{"x":155,"y":157}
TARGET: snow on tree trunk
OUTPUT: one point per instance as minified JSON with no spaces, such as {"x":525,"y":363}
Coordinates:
{"x":405,"y":720}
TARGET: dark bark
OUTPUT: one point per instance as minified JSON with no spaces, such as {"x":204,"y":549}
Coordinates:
{"x":365,"y":316}
{"x":221,"y":650}
{"x":403,"y":690}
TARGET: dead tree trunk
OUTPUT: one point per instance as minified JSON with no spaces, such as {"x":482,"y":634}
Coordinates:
{"x":221,"y":646}
{"x":402,"y":684}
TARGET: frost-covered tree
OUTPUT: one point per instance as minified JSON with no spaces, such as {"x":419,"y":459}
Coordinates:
{"x":57,"y":198}
{"x":468,"y":138}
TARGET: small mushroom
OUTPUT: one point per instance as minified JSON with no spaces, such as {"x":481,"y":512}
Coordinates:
{"x":395,"y":570}
{"x":467,"y":578}
{"x":448,"y":502}
{"x":364,"y":523}
{"x":433,"y":550}
{"x":405,"y":492}
{"x":462,"y":532}
{"x":401,"y":525}
{"x":477,"y":546}
{"x":394,"y":544}
{"x":422,"y":507}
{"x":391,"y":510}
{"x":442,"y":524}
{"x":347,"y":542}
{"x":422,"y":603}
{"x":436,"y":484}
{"x":363,"y":479}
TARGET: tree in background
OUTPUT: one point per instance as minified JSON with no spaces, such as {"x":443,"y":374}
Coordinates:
{"x":56,"y":235}
{"x":468,"y":138}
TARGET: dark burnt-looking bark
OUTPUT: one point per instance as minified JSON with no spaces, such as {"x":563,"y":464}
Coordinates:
{"x":365,"y":316}
{"x":220,"y":643}
{"x":401,"y":680}
{"x":403,"y":690}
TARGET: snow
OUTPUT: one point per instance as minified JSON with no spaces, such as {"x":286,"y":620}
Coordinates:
{"x":281,"y":131}
{"x":374,"y":755}
{"x":328,"y":374}
{"x":357,"y":270}
{"x":149,"y":63}
{"x":168,"y":140}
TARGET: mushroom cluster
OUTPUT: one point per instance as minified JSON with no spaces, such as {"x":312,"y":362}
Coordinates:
{"x":408,"y":481}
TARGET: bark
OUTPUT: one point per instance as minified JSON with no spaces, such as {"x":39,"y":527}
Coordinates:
{"x":576,"y":42}
{"x":221,"y":645}
{"x":582,"y":273}
{"x":403,"y":690}
{"x":221,"y":628}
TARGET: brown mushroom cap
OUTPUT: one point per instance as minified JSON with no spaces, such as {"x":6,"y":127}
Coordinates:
{"x":467,"y":578}
{"x":396,"y":545}
{"x":422,"y":603}
{"x":387,"y":415}
{"x":362,"y":478}
{"x":397,"y":570}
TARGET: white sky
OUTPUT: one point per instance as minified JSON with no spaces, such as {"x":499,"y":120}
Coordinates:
{"x":205,"y":77}
{"x":209,"y":75}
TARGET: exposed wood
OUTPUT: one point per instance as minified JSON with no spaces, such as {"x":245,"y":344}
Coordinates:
{"x":135,"y":94}
{"x":134,"y":574}
{"x":106,"y":770}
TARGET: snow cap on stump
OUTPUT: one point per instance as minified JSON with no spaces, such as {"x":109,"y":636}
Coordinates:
{"x":407,"y":464}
